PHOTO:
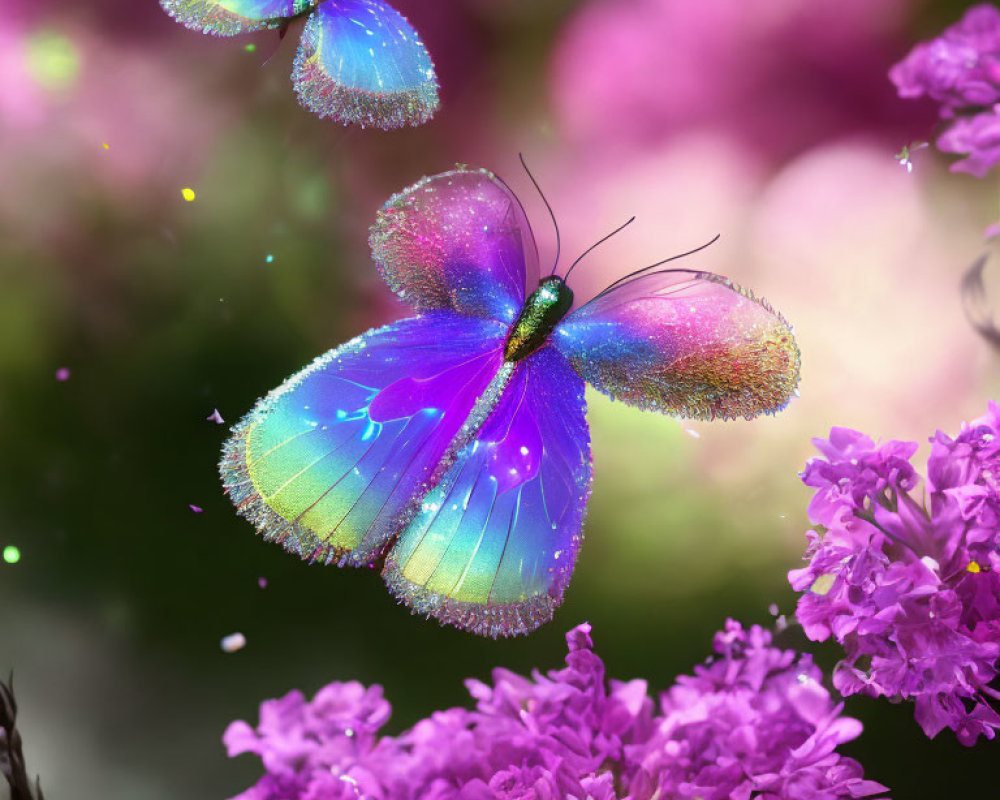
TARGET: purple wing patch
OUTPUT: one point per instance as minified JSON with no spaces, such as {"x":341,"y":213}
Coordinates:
{"x":458,"y":241}
{"x":686,"y":343}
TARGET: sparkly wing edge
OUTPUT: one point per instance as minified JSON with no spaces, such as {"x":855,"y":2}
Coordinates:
{"x":495,"y":622}
{"x":206,"y":16}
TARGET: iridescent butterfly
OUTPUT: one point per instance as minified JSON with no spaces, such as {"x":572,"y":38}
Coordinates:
{"x":359,"y":61}
{"x":452,"y":447}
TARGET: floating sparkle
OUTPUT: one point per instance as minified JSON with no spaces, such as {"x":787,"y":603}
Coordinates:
{"x":188,"y":194}
{"x":215,"y":417}
{"x":62,"y":374}
{"x":233,"y":642}
{"x":905,"y":156}
{"x":11,"y":554}
{"x":195,"y":509}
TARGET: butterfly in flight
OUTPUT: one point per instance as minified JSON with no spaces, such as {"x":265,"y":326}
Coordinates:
{"x":359,"y":62}
{"x":452,"y":447}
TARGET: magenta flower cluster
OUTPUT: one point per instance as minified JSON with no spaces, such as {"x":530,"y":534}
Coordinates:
{"x":754,"y":721}
{"x":908,"y":582}
{"x":960,"y":70}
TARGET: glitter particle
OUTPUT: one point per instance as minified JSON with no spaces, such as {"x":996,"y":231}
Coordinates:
{"x":215,"y":417}
{"x":194,"y":508}
{"x":973,"y":567}
{"x":188,"y":194}
{"x":11,"y":554}
{"x":269,"y":259}
{"x":250,"y":47}
{"x":262,"y":582}
{"x":62,"y":374}
{"x":233,"y":642}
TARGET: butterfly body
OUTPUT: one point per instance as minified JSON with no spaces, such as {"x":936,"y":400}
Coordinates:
{"x":453,"y":445}
{"x":541,"y":312}
{"x":359,"y":61}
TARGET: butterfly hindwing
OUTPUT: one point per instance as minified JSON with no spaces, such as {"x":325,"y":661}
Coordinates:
{"x":458,"y":240}
{"x":493,"y":546}
{"x":233,"y":17}
{"x":331,"y":461}
{"x":685,"y":343}
{"x":361,"y":63}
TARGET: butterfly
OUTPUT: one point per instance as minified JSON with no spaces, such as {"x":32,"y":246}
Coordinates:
{"x":453,"y":446}
{"x":359,"y":61}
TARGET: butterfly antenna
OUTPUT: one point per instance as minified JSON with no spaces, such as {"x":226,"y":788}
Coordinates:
{"x":596,"y":244}
{"x":638,"y":272}
{"x":551,"y":213}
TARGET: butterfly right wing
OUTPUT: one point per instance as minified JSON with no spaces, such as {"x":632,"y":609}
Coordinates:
{"x":687,"y":343}
{"x":331,"y":461}
{"x":233,"y":17}
{"x":493,"y":545}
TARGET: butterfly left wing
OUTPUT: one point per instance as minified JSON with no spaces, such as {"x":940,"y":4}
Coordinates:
{"x":459,"y":240}
{"x":492,"y":549}
{"x":332,"y":461}
{"x":361,"y":63}
{"x":233,"y":17}
{"x":686,"y":343}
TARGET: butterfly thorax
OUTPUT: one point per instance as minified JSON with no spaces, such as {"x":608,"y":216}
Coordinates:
{"x":303,"y":7}
{"x":541,"y":312}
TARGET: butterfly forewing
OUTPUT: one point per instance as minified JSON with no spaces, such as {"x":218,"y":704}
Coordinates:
{"x":232,"y":17}
{"x":458,"y":240}
{"x":331,"y":461}
{"x":360,"y":62}
{"x":685,"y":343}
{"x":493,"y":546}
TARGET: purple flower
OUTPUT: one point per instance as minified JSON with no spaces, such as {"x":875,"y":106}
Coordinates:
{"x":754,"y":721}
{"x":910,"y":589}
{"x":960,"y":70}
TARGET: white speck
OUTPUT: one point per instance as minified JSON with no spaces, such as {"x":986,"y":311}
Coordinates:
{"x":233,"y":642}
{"x":524,"y":450}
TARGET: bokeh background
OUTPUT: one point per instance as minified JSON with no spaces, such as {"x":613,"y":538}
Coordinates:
{"x":772,"y":123}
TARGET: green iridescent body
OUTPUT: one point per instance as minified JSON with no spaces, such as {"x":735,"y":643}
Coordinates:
{"x":541,"y":312}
